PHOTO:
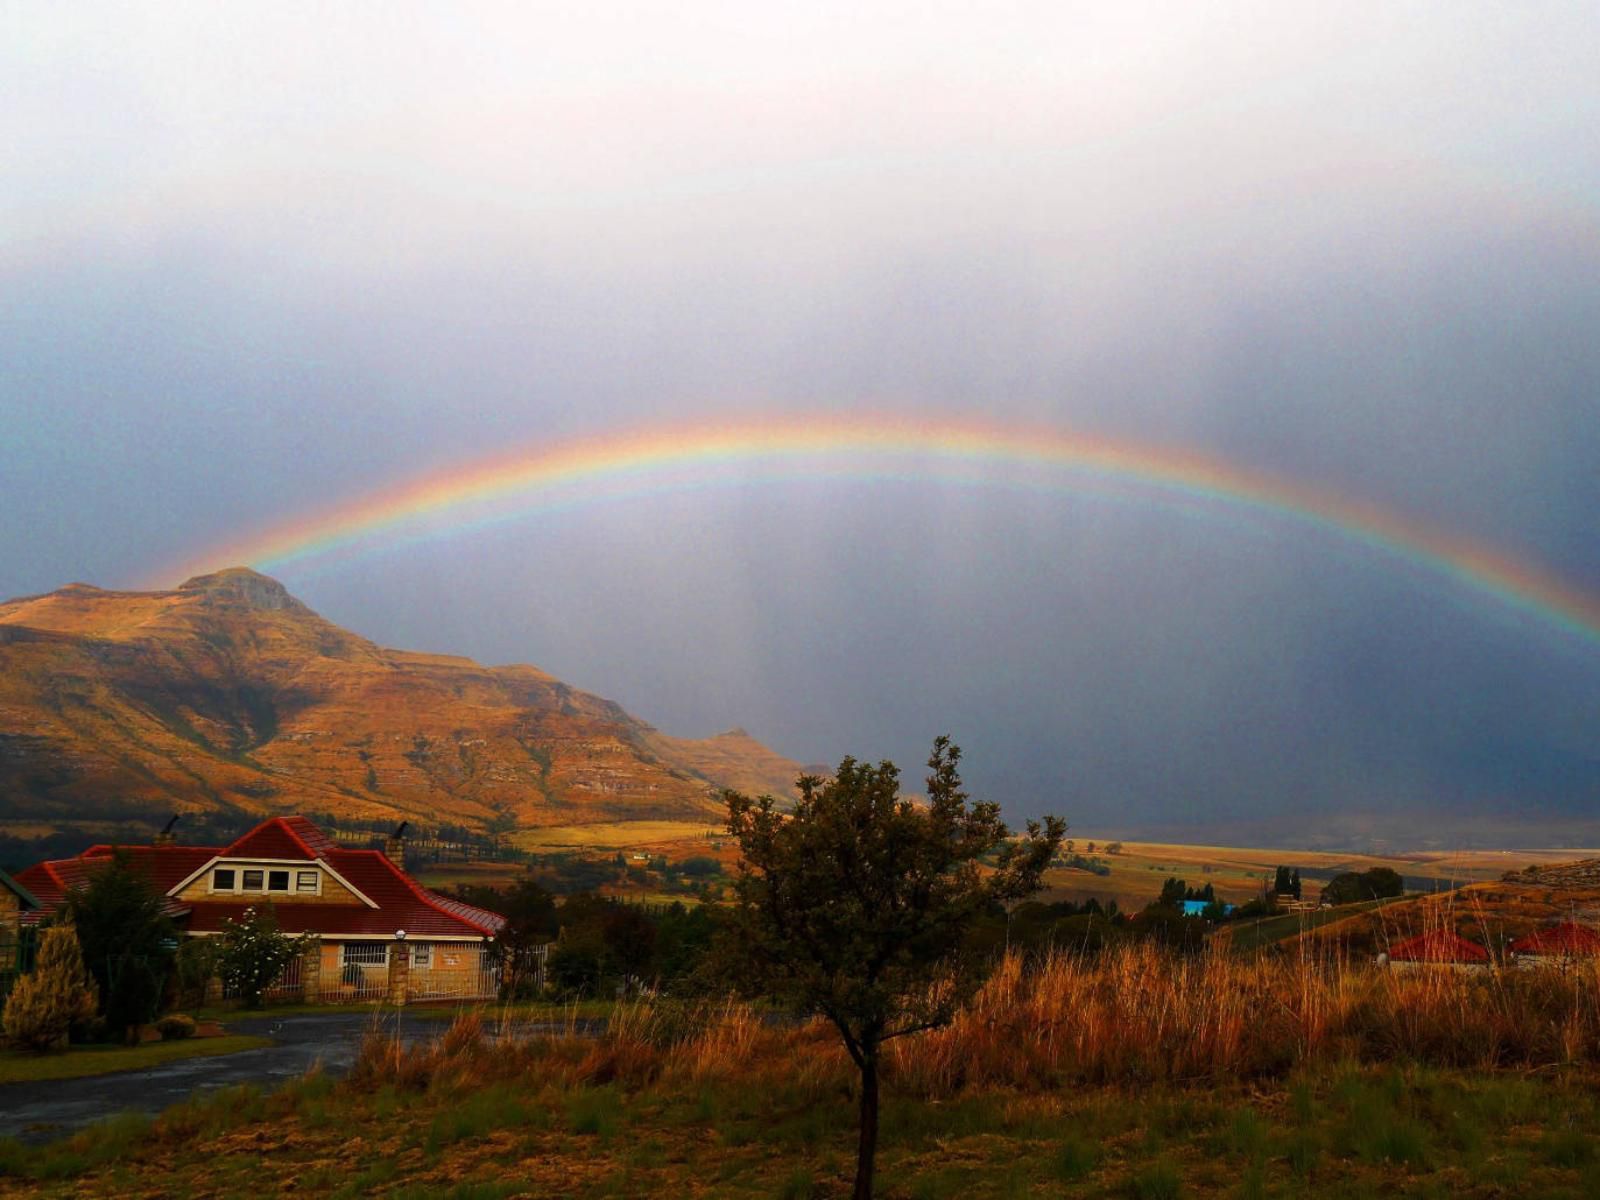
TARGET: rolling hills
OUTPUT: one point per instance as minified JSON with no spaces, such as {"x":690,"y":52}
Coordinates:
{"x":227,"y":697}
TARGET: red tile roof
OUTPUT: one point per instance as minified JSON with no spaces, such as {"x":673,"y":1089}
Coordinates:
{"x":1565,"y":939}
{"x":281,"y":837}
{"x":164,"y":867}
{"x":331,"y":920}
{"x":45,"y":883}
{"x":402,"y":902}
{"x":1438,"y":946}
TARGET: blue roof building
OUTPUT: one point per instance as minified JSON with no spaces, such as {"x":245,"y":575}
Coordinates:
{"x":1197,"y":908}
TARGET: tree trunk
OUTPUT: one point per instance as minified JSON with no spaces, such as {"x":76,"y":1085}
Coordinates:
{"x":867,"y":1148}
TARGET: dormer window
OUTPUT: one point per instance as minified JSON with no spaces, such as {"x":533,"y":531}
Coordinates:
{"x":271,"y":880}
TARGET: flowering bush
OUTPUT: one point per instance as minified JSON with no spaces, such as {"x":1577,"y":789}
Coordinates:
{"x":253,"y":952}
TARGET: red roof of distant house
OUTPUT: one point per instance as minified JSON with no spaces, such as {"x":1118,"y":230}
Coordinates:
{"x":1438,"y":946}
{"x":1565,"y":939}
{"x":402,"y":902}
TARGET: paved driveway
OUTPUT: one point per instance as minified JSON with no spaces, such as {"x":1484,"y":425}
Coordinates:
{"x":37,"y":1112}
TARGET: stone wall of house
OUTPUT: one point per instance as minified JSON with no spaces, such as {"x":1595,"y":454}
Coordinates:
{"x":453,"y":969}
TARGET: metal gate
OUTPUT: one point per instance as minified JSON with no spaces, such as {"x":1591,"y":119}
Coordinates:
{"x":363,"y":973}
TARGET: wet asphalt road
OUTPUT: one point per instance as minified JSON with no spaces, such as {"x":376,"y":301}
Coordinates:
{"x":37,"y":1112}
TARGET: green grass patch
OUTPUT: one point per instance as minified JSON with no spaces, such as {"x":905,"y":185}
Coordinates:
{"x":79,"y":1061}
{"x":1075,"y":1158}
{"x":1344,"y":1132}
{"x":97,"y":1146}
{"x":595,"y":1112}
{"x":1252,"y":935}
{"x":1158,"y":1181}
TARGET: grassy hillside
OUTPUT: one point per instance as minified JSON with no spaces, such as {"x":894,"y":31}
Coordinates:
{"x":227,"y":697}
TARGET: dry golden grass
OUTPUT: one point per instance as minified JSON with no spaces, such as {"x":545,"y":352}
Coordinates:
{"x":1133,"y":1015}
{"x":618,"y":835}
{"x":1138,"y":1014}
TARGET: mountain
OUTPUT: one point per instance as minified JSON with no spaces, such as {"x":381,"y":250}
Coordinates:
{"x":230,"y":698}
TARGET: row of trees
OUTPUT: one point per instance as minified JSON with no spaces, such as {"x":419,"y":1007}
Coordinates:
{"x":1376,"y":883}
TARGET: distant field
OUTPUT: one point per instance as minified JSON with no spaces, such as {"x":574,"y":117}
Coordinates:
{"x":484,"y":874}
{"x":614,"y":835}
{"x":1137,"y":873}
{"x":1252,"y":935}
{"x":1237,"y":872}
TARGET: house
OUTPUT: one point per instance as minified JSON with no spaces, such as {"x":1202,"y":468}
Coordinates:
{"x":15,"y":900}
{"x":1563,"y":941}
{"x":376,"y":933}
{"x":1437,"y":948}
{"x":17,"y":903}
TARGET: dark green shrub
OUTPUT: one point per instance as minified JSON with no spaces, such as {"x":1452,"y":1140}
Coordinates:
{"x":174,"y":1027}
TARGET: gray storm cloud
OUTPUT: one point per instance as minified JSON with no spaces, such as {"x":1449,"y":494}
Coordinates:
{"x":252,"y":262}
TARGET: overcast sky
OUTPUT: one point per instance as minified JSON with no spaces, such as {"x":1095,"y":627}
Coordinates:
{"x":258,"y":259}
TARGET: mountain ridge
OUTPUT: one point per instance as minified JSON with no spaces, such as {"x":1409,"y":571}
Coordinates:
{"x":228,"y":695}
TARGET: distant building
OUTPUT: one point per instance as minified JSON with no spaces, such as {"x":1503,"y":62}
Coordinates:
{"x":17,"y":904}
{"x":1197,"y":908}
{"x":1563,"y":940}
{"x":15,"y":900}
{"x":1437,"y":948}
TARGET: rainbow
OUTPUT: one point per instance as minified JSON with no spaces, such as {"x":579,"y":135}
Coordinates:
{"x":620,"y":465}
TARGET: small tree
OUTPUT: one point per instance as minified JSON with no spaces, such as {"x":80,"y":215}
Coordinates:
{"x":58,"y":994}
{"x":127,"y":941}
{"x":530,"y":913}
{"x":254,"y":952}
{"x":854,"y":905}
{"x":196,"y":964}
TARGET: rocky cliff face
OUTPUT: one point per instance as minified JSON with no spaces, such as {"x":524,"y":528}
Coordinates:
{"x":228,"y":694}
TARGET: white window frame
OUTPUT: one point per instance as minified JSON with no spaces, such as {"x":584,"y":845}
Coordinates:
{"x":300,"y":880}
{"x":288,"y":881}
{"x":207,"y":872}
{"x":421,"y":954}
{"x":366,"y":958}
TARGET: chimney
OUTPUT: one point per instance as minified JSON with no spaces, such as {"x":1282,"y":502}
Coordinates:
{"x":166,"y":837}
{"x":394,"y":848}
